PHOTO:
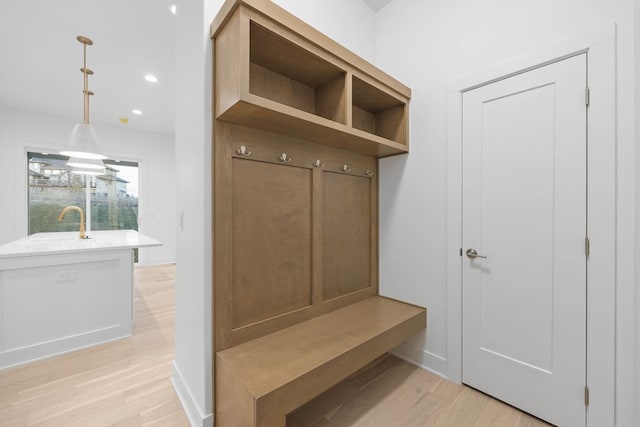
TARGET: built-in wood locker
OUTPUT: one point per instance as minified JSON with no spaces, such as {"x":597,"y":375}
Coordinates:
{"x":299,"y":125}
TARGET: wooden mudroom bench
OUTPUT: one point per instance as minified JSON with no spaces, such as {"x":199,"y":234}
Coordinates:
{"x":261,"y":381}
{"x":299,"y":125}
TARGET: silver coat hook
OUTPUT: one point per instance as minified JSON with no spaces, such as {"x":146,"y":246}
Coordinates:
{"x":369,"y":173}
{"x":346,"y":168}
{"x":318,"y":164}
{"x":242,"y":151}
{"x":285,"y":158}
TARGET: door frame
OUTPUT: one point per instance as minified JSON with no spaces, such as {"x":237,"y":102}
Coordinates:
{"x":600,"y":47}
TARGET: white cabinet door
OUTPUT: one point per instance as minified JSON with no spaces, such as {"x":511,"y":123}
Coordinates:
{"x":524,"y":208}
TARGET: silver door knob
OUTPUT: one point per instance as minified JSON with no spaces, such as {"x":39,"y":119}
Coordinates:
{"x":472,"y":253}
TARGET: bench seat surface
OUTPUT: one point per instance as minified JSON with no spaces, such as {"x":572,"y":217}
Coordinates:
{"x":303,"y":360}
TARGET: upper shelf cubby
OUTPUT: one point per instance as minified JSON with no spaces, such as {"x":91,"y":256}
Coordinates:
{"x":284,"y":72}
{"x":377,"y":112}
{"x":276,"y":73}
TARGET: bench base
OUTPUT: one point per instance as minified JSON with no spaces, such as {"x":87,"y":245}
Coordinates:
{"x":259,"y":382}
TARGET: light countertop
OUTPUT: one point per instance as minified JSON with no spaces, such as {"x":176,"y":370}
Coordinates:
{"x":68,"y":242}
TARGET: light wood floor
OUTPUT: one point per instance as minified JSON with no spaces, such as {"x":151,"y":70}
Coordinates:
{"x":123,"y":383}
{"x":126,"y":383}
{"x":391,"y":392}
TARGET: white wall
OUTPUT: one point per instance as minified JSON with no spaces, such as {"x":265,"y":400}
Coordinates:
{"x":22,"y":130}
{"x":192,"y":376}
{"x":637,"y":281}
{"x":352,"y":24}
{"x":349,"y":22}
{"x":426,"y":45}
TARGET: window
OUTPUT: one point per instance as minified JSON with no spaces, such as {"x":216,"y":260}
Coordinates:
{"x":53,"y":185}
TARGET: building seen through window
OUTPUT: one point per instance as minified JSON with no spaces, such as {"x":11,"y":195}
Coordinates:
{"x":53,"y":185}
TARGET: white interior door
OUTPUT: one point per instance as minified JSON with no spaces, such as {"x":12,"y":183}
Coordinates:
{"x":524,"y":208}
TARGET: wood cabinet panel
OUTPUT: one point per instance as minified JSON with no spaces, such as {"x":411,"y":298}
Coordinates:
{"x":267,"y":84}
{"x":331,"y":100}
{"x":392,"y":124}
{"x":363,"y":120}
{"x":284,"y":57}
{"x":229,"y":51}
{"x":271,"y":243}
{"x":270,"y":75}
{"x":250,"y":300}
{"x":346,"y":229}
{"x":377,"y":112}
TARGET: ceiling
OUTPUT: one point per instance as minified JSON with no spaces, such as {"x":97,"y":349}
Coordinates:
{"x":41,"y":59}
{"x":376,"y":5}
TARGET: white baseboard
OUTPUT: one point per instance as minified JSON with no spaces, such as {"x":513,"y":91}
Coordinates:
{"x":433,"y":363}
{"x":189,"y":404}
{"x":44,"y":350}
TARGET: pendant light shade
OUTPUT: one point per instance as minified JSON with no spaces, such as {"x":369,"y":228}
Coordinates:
{"x":95,"y":164}
{"x":86,"y":171}
{"x":83,"y":142}
{"x":86,"y":166}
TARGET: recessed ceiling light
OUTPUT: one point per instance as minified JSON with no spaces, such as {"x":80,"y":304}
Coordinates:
{"x":173,"y":8}
{"x":151,"y":78}
{"x":136,"y":111}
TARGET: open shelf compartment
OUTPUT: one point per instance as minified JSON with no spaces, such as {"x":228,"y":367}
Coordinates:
{"x":275,"y":78}
{"x":377,"y":112}
{"x":288,"y":74}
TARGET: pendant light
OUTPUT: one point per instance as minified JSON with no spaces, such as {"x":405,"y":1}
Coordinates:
{"x":93,"y":164}
{"x":87,"y":171}
{"x":83,"y":142}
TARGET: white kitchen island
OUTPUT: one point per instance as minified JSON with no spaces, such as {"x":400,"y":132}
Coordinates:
{"x":59,"y":293}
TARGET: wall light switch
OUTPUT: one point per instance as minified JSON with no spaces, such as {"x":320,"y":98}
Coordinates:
{"x":65,"y":276}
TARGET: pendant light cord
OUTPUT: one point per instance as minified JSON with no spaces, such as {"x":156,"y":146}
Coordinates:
{"x":85,"y":72}
{"x":86,"y":87}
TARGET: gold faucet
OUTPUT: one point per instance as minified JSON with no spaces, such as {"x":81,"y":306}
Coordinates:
{"x":75,"y":208}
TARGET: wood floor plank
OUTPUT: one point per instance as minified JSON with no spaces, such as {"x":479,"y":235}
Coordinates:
{"x":175,"y":419}
{"x":495,"y":413}
{"x":373,"y":370}
{"x":126,"y":383}
{"x":372,"y":397}
{"x":325,"y":405}
{"x":393,"y":393}
{"x":122,"y":383}
{"x":426,"y":412}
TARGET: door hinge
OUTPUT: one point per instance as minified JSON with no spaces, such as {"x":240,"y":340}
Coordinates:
{"x":587,"y":96}
{"x":586,"y":396}
{"x":587,"y":246}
